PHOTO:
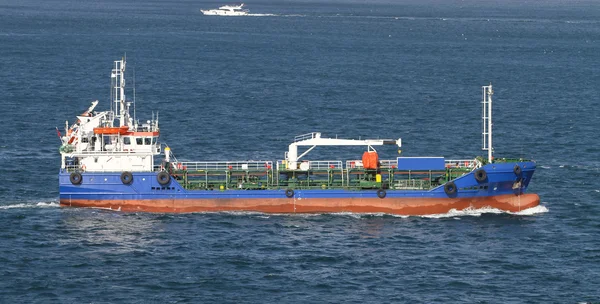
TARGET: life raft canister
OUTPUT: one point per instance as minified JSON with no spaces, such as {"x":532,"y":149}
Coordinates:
{"x":370,"y":160}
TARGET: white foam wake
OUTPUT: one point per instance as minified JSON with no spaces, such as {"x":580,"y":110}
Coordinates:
{"x":261,"y":15}
{"x":452,"y":213}
{"x":533,"y":210}
{"x":478,"y":212}
{"x":32,"y":205}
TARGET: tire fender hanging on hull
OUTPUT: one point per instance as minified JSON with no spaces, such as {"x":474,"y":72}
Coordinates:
{"x":450,"y":189}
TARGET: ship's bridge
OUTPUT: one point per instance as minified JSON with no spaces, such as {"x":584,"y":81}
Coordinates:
{"x":140,"y":141}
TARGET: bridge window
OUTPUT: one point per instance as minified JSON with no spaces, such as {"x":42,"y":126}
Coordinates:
{"x":127,"y":140}
{"x":154,"y":140}
{"x":147,"y":141}
{"x":139,"y":141}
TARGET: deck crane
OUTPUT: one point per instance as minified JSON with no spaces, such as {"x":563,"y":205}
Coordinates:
{"x":314,"y":139}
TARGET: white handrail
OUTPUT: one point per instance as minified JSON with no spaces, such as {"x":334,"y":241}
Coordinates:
{"x":224,"y":165}
{"x":306,"y":136}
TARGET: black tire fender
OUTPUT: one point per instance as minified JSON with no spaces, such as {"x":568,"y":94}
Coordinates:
{"x":517,"y":170}
{"x":450,"y":188}
{"x":381,"y":193}
{"x":480,"y":175}
{"x":76,"y":178}
{"x":289,"y":193}
{"x":163,"y":178}
{"x":126,"y":178}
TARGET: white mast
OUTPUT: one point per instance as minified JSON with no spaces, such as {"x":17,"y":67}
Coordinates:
{"x":134,"y":117}
{"x":486,"y":118}
{"x":118,"y":85}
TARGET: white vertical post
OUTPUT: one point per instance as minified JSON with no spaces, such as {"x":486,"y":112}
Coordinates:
{"x":114,"y":78}
{"x":118,"y":76}
{"x":124,"y":110}
{"x":487,"y":121}
{"x":491,"y":149}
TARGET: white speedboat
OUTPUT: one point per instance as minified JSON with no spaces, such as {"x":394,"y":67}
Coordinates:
{"x":227,"y":10}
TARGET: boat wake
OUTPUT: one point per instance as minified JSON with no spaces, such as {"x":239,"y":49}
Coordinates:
{"x":487,"y":210}
{"x":262,"y":15}
{"x":452,"y":213}
{"x":442,"y":19}
{"x":52,"y":204}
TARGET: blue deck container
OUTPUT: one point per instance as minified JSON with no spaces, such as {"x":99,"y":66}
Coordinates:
{"x":421,"y":163}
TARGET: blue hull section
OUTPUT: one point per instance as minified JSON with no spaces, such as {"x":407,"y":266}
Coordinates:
{"x":501,"y":180}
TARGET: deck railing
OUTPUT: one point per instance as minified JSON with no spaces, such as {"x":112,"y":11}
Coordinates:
{"x":461,"y":163}
{"x":325,"y":164}
{"x":305,"y":136}
{"x":393,"y":163}
{"x":154,"y":151}
{"x":412,"y":184}
{"x":224,"y":165}
{"x":281,"y":165}
{"x":82,"y":168}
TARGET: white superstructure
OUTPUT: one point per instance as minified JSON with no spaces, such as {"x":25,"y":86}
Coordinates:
{"x":110,"y":140}
{"x":227,"y":10}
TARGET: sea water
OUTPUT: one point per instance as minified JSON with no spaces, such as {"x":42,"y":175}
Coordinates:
{"x":241,"y":88}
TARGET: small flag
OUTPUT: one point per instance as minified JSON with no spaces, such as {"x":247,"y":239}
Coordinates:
{"x":58,"y":132}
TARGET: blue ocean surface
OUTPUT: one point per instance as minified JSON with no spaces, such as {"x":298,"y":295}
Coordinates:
{"x":242,"y":88}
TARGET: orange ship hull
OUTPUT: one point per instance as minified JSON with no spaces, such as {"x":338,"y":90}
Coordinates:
{"x":399,"y":206}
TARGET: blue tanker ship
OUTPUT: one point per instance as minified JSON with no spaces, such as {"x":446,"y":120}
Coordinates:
{"x":111,"y":160}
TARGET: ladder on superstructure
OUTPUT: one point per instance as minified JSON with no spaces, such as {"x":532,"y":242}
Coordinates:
{"x":486,"y":118}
